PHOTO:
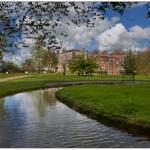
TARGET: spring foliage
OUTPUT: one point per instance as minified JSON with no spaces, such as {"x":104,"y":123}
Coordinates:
{"x":83,"y":65}
{"x":129,"y":62}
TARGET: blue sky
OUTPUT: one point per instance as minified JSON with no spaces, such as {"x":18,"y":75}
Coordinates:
{"x":132,"y":17}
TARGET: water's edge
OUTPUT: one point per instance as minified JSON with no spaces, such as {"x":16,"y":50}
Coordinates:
{"x":122,"y":124}
{"x":116,"y":122}
{"x":37,"y":119}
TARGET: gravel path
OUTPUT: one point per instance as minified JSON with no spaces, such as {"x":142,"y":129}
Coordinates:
{"x":13,"y":78}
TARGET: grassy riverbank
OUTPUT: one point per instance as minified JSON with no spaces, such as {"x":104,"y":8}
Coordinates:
{"x":128,"y":103}
{"x":40,"y":80}
{"x":34,"y":82}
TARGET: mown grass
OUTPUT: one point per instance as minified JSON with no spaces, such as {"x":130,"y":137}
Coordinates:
{"x":59,"y":76}
{"x":128,"y":101}
{"x":142,"y":77}
{"x":72,"y":77}
{"x":40,"y":80}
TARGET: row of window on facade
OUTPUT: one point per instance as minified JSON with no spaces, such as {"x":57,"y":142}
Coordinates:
{"x":108,"y":63}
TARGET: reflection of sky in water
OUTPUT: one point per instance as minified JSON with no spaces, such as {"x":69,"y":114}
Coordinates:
{"x":22,"y":112}
{"x":31,"y":105}
{"x":12,"y":124}
{"x":37,"y":119}
{"x":20,"y":102}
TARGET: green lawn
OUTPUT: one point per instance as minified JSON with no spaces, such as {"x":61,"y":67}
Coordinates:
{"x":142,"y":77}
{"x":128,"y":101}
{"x":39,"y":80}
{"x":58,"y":76}
{"x":71,"y":77}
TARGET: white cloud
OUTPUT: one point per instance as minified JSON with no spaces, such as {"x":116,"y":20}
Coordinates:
{"x":119,"y":37}
{"x":19,"y":57}
{"x":138,"y":32}
{"x":83,"y":35}
{"x":139,"y":4}
{"x":110,"y":37}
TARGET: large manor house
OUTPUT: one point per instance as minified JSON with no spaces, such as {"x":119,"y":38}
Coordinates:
{"x":110,"y":63}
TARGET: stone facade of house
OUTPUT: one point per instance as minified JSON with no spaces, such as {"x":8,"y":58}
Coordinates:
{"x":66,"y":56}
{"x":110,"y":63}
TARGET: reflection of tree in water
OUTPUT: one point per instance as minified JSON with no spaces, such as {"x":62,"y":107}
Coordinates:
{"x":43,"y":99}
{"x":2,"y":109}
{"x":49,"y":96}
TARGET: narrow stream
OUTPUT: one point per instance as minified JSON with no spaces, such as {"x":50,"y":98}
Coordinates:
{"x":38,"y":119}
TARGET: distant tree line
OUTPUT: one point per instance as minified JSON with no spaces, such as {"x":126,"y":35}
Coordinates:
{"x":142,"y":60}
{"x":138,"y":62}
{"x":40,"y":58}
{"x":129,"y":62}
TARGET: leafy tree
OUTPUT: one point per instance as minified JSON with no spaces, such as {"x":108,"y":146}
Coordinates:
{"x":44,"y":19}
{"x":28,"y":65}
{"x":78,"y":65}
{"x":10,"y":67}
{"x":2,"y":50}
{"x":91,"y":65}
{"x":129,"y":62}
{"x":143,"y":62}
{"x":49,"y":58}
{"x":38,"y":53}
{"x":83,"y":65}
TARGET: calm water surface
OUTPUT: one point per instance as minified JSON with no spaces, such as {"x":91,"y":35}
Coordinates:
{"x":38,"y":119}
